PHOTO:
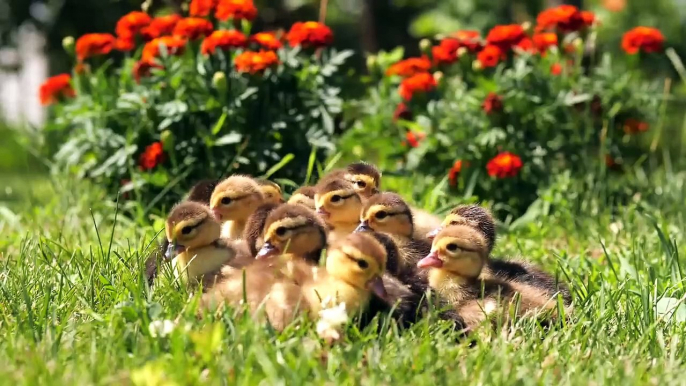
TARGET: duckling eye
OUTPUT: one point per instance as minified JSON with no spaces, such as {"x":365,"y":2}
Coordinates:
{"x":186,"y":230}
{"x":381,"y":215}
{"x":336,"y":198}
{"x":280,"y":231}
{"x":361,"y":184}
{"x":362,"y":264}
{"x":452,"y":247}
{"x":226,"y":201}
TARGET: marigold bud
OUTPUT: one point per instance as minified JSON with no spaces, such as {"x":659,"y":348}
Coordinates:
{"x":425,"y":45}
{"x":461,"y":51}
{"x":371,"y":62}
{"x":438,"y":75}
{"x":219,"y":81}
{"x":68,"y":44}
{"x":526,"y":26}
{"x":477,"y":65}
{"x":167,"y":139}
{"x":578,"y":43}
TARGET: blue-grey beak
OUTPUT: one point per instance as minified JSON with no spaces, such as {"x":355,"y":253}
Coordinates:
{"x":363,"y":227}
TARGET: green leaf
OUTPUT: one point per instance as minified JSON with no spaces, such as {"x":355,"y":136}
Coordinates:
{"x":220,"y":122}
{"x":228,"y":139}
{"x":288,"y":158}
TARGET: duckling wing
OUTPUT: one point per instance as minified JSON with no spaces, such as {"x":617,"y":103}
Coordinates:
{"x":527,"y":277}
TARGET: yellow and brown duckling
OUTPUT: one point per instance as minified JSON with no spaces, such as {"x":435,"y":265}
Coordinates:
{"x":254,"y":227}
{"x":304,"y":196}
{"x":271,"y":191}
{"x":233,"y":201}
{"x":339,"y":205}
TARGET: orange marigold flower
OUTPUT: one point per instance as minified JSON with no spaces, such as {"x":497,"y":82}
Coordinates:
{"x":236,"y":10}
{"x":90,"y":45}
{"x":124,"y":44}
{"x":588,"y":17}
{"x":492,"y":104}
{"x":255,"y":62}
{"x":505,"y":36}
{"x":201,"y":8}
{"x":224,"y":40}
{"x":468,"y":39}
{"x":402,"y":112}
{"x":646,"y":39}
{"x":142,"y":69}
{"x":504,"y":165}
{"x":309,"y":34}
{"x":565,"y":18}
{"x":543,"y":41}
{"x":634,"y":126}
{"x":152,"y":156}
{"x":413,"y":138}
{"x":409,"y":67}
{"x":56,"y":88}
{"x":454,"y":172}
{"x":526,"y":45}
{"x":418,"y":83}
{"x":173,"y":46}
{"x":160,"y":26}
{"x":267,"y":40}
{"x":193,"y":28}
{"x":614,"y":5}
{"x":445,"y":52}
{"x":490,"y":56}
{"x":556,"y":69}
{"x":131,"y":24}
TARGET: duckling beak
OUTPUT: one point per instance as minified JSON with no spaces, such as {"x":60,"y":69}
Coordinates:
{"x":376,"y":285}
{"x":173,"y":249}
{"x":363,"y":227}
{"x":431,"y":235}
{"x":323,"y":213}
{"x":268,"y":250}
{"x":217,"y":213}
{"x":430,"y":261}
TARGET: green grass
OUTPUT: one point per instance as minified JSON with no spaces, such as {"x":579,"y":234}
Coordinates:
{"x":74,"y":309}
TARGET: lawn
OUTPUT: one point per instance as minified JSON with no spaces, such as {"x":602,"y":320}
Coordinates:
{"x":75,"y":309}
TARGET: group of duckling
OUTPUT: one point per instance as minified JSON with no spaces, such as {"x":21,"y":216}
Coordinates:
{"x":345,"y":241}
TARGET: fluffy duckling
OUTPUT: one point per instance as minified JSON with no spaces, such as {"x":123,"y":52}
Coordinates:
{"x":233,"y":201}
{"x":271,"y":191}
{"x":254,"y":227}
{"x":193,"y":234}
{"x":457,"y":256}
{"x":293,"y":230}
{"x":303,"y":196}
{"x":387,"y":212}
{"x":339,"y":205}
{"x":522,"y":275}
{"x":353,"y":272}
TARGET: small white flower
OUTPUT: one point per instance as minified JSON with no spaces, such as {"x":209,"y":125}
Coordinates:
{"x":616,"y":227}
{"x":161,"y":328}
{"x":331,"y":320}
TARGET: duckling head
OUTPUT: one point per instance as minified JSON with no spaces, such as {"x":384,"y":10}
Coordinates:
{"x":387,"y":212}
{"x":236,"y":198}
{"x":202,"y":191}
{"x":295,"y":230}
{"x":364,"y":177}
{"x":337,"y":202}
{"x":190,"y":225}
{"x":303,"y":196}
{"x":472,"y":215}
{"x":359,"y":260}
{"x":271,"y":191}
{"x":458,"y":249}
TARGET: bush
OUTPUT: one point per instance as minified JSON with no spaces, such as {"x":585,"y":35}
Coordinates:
{"x":170,"y":100}
{"x":501,"y":116}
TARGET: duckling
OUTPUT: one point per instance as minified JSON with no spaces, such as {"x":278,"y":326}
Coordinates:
{"x":339,"y":205}
{"x":271,"y":191}
{"x":193,"y":232}
{"x":202,"y":191}
{"x":353,"y":272}
{"x":254,"y":226}
{"x":233,"y":201}
{"x":293,"y":230}
{"x":458,"y":254}
{"x":387,"y":212}
{"x":303,"y":196}
{"x":523,"y":275}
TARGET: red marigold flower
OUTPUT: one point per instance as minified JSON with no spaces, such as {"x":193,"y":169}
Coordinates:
{"x":160,"y":26}
{"x":131,"y":24}
{"x":469,"y":39}
{"x":193,"y":28}
{"x":454,"y":172}
{"x":236,"y":10}
{"x":526,"y":45}
{"x":634,"y":126}
{"x":255,"y":62}
{"x":90,"y":45}
{"x":201,"y":8}
{"x":565,"y":18}
{"x":556,"y":69}
{"x":492,"y":104}
{"x":412,"y":139}
{"x":409,"y":67}
{"x":490,"y":56}
{"x":646,"y":39}
{"x":142,"y":69}
{"x":422,"y":82}
{"x":125,"y":44}
{"x":504,"y":165}
{"x":224,"y":40}
{"x":505,"y":36}
{"x":309,"y":34}
{"x":267,"y":40}
{"x":543,"y":41}
{"x":152,"y":156}
{"x":445,"y":52}
{"x":588,"y":17}
{"x":402,"y":112}
{"x":55,"y":88}
{"x":173,"y":46}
